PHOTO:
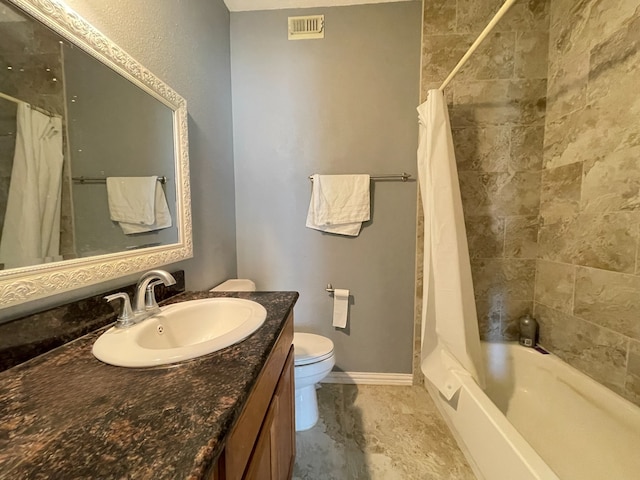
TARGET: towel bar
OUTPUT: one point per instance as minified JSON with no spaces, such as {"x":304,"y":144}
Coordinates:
{"x":91,"y":180}
{"x":393,"y":176}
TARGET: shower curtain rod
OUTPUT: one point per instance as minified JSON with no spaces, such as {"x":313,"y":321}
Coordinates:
{"x":505,"y":7}
{"x":41,"y":110}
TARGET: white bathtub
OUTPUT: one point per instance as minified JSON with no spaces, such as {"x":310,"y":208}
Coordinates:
{"x":539,"y":418}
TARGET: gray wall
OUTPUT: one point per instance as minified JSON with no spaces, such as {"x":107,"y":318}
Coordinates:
{"x":186,"y":45}
{"x":117,"y":129}
{"x":344,"y":104}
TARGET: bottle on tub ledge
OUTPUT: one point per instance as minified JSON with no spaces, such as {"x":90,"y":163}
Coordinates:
{"x":528,"y":331}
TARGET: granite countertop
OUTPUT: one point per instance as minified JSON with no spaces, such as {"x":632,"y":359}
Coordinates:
{"x":65,"y":414}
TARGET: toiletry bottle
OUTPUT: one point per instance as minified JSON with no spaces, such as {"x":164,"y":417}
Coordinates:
{"x":528,"y":331}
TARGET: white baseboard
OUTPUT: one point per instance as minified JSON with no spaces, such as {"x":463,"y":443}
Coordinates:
{"x":369,"y":378}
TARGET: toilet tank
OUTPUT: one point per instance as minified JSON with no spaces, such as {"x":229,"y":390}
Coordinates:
{"x":235,"y":285}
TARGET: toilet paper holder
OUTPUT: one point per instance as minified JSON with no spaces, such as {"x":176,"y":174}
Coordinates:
{"x":330,"y":288}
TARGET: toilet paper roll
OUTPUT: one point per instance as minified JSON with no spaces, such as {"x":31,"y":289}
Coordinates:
{"x":340,"y":307}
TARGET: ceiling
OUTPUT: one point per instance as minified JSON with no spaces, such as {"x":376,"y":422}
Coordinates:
{"x":246,"y":5}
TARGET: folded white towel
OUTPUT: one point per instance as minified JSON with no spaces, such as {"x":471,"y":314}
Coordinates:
{"x":138,"y":204}
{"x":163,"y":216}
{"x":132,"y":199}
{"x":339,"y":203}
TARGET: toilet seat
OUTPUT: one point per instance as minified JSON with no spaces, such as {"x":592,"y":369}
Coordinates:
{"x":309,"y":348}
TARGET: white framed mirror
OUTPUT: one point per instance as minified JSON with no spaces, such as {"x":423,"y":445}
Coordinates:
{"x":75,"y":110}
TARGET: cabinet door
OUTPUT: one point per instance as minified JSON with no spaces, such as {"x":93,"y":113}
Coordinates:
{"x":259,"y":467}
{"x":282,"y":431}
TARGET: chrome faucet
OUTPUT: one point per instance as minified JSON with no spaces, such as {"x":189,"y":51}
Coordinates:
{"x":145,"y":281}
{"x":144,"y":301}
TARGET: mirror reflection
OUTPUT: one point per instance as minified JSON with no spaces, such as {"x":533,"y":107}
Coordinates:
{"x":83,"y":153}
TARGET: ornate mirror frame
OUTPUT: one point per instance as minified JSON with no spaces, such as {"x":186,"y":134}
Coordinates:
{"x":20,"y":285}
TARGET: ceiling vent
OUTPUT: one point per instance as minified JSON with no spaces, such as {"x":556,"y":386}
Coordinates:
{"x":306,"y":28}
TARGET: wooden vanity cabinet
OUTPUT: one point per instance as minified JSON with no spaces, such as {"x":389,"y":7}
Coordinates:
{"x":261,"y":446}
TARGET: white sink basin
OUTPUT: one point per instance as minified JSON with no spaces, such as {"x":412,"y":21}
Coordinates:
{"x":180,"y":332}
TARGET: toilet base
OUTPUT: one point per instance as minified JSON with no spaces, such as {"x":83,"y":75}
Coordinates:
{"x":306,"y":408}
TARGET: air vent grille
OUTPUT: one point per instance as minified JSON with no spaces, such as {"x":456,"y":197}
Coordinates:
{"x":305,"y":28}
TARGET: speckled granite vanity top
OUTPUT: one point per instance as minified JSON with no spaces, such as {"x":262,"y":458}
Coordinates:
{"x":66,"y":415}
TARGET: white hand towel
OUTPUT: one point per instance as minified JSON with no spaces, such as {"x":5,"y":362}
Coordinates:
{"x":163,"y":216}
{"x":339,"y":203}
{"x":132,"y":199}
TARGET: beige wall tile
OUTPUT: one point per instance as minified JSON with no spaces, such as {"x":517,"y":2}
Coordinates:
{"x":527,"y":144}
{"x":439,"y":17}
{"x":554,"y":285}
{"x":568,"y":24}
{"x":614,"y":61}
{"x":484,"y":149}
{"x":596,"y":351}
{"x":500,"y":194}
{"x":489,"y":312}
{"x":531,"y":54}
{"x":485,"y":236}
{"x":499,"y":102}
{"x":564,"y":140}
{"x":506,"y":279}
{"x":521,"y":237}
{"x":440,"y":53}
{"x":608,"y":124}
{"x":607,"y":241}
{"x":609,"y":299}
{"x":632,"y":385}
{"x":473,"y":16}
{"x":556,"y":242}
{"x":530,"y":15}
{"x":494,"y":59}
{"x":560,"y":193}
{"x":613,"y":183}
{"x":606,"y":17}
{"x":567,"y":79}
{"x":617,"y":115}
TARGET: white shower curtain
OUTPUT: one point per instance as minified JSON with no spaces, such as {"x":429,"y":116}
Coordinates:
{"x":450,"y":339}
{"x":31,"y":231}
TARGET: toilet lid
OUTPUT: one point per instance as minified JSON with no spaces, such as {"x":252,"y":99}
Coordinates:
{"x":309,"y":348}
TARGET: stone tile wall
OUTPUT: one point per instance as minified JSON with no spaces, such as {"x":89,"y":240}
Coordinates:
{"x":587,"y":292}
{"x":550,"y":191}
{"x":497,"y":106}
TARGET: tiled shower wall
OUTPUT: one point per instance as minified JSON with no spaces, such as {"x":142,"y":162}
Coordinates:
{"x":550,"y":191}
{"x":497,"y":106}
{"x":588,"y":278}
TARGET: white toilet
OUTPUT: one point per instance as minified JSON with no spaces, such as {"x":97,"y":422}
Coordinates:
{"x":235,"y":285}
{"x":313,"y":361}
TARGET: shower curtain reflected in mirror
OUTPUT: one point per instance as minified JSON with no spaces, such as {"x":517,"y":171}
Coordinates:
{"x":31,"y":230}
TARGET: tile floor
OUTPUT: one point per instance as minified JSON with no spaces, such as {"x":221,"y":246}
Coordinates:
{"x":371,"y":432}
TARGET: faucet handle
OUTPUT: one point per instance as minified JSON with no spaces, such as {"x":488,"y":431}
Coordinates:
{"x":150,"y":303}
{"x":126,"y":316}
